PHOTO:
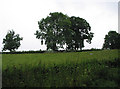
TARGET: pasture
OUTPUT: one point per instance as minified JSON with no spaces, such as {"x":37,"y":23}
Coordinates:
{"x":72,"y":69}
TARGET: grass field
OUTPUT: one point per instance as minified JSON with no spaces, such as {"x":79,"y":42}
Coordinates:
{"x":73,"y":69}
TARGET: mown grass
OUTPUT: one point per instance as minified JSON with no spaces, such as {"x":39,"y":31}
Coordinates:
{"x":74,"y":69}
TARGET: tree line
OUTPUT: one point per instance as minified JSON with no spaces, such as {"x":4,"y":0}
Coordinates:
{"x":58,"y":29}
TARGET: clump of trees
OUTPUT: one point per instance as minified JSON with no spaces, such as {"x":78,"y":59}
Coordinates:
{"x":11,"y":41}
{"x":112,"y":40}
{"x":57,"y":30}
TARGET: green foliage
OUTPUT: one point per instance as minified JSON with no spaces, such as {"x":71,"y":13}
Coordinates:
{"x":74,"y":69}
{"x":112,"y":40}
{"x":11,"y":41}
{"x":82,"y":32}
{"x":58,"y":29}
{"x":52,"y":30}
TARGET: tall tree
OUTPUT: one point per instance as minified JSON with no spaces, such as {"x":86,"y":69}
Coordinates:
{"x":58,"y":29}
{"x":53,"y":29}
{"x":82,"y":32}
{"x":112,"y":40}
{"x":11,"y":41}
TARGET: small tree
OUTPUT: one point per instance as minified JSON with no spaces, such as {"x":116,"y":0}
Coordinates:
{"x":112,"y":40}
{"x":11,"y":41}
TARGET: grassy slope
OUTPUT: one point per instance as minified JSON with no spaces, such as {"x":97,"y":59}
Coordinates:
{"x":56,"y":58}
{"x":62,"y":69}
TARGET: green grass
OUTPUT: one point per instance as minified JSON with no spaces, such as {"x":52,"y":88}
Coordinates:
{"x":73,"y":69}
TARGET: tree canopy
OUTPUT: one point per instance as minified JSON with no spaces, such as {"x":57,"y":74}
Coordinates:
{"x":112,"y":40}
{"x":11,"y":41}
{"x":58,"y":29}
{"x":53,"y":29}
{"x":82,"y":30}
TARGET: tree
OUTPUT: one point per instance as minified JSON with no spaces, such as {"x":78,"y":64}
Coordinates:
{"x":11,"y":41}
{"x":82,"y":32}
{"x":112,"y":40}
{"x":58,"y":29}
{"x":53,"y":30}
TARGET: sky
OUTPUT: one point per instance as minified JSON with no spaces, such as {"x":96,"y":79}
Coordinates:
{"x":23,"y":15}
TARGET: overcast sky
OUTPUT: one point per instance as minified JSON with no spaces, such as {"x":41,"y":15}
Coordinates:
{"x":23,"y":15}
